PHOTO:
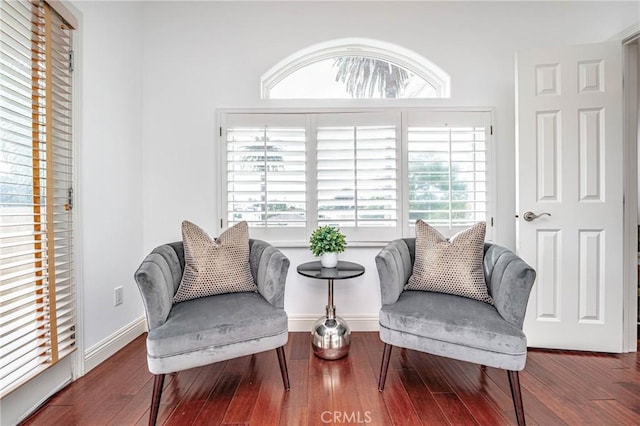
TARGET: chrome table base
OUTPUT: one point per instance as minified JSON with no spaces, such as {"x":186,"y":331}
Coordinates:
{"x":330,"y":337}
{"x":330,"y":334}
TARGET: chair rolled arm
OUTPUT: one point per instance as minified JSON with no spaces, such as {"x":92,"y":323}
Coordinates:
{"x":270,"y":268}
{"x":156,"y":279}
{"x":394,"y":269}
{"x":511,"y":282}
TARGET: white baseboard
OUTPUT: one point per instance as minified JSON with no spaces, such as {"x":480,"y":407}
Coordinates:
{"x":356,"y":322}
{"x":102,"y":350}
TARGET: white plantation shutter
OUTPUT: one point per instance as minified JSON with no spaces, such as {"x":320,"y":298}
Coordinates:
{"x":37,"y":295}
{"x":447,"y":177}
{"x":370,"y":173}
{"x":357,"y":173}
{"x":266,"y":172}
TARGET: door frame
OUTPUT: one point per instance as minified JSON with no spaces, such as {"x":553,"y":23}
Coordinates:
{"x":631,"y":119}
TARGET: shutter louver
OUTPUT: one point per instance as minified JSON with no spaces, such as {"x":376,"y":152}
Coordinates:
{"x":37,"y":297}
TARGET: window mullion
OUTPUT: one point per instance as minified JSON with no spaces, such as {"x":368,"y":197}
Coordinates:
{"x":355,"y":175}
{"x":265,"y":189}
{"x":450,"y":181}
{"x":311,"y":160}
{"x":475,"y":171}
{"x":402,"y":158}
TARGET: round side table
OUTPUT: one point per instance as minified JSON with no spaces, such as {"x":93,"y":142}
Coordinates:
{"x":330,"y":335}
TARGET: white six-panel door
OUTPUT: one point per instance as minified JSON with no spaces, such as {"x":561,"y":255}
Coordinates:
{"x":569,"y":164}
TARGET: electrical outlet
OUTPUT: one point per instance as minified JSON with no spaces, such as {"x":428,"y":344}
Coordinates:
{"x":117,"y":296}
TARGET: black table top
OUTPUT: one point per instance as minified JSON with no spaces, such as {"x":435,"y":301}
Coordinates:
{"x":343,"y":271}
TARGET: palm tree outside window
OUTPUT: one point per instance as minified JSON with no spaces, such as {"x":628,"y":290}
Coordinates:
{"x":355,"y":69}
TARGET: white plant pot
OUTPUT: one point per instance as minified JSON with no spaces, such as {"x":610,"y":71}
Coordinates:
{"x":329,"y":260}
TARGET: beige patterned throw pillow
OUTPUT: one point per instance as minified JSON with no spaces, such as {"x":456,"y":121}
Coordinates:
{"x":214,"y":266}
{"x":450,"y":266}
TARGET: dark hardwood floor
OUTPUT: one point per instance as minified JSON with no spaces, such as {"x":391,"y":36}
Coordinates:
{"x":558,"y":388}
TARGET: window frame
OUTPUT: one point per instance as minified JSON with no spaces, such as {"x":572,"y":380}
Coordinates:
{"x":403,"y":228}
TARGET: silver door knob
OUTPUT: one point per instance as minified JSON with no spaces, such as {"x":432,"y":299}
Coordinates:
{"x":529,"y":216}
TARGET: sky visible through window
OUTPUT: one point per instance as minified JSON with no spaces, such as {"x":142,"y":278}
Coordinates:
{"x":352,"y":77}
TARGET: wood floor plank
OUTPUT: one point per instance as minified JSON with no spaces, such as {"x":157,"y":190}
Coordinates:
{"x":539,"y":401}
{"x":372,"y":343}
{"x":455,"y":411}
{"x":559,"y":387}
{"x":397,"y":401}
{"x":295,"y":407}
{"x":218,"y":400}
{"x":430,"y":374}
{"x":471,"y":391}
{"x":565,"y":373}
{"x":345,"y":402}
{"x":616,"y":413}
{"x":630,"y":397}
{"x":166,"y":403}
{"x":49,"y":415}
{"x":613,"y":379}
{"x":243,"y":403}
{"x":561,"y":397}
{"x":319,"y":390}
{"x":194,"y":398}
{"x":422,"y":399}
{"x":499,"y":399}
{"x":299,"y":346}
{"x":366,"y":382}
{"x":136,"y":408}
{"x":495,"y":386}
{"x":271,"y":396}
{"x":298,"y":416}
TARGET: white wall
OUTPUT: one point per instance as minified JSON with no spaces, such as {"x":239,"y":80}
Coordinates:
{"x":110,"y":159}
{"x":206,"y":55}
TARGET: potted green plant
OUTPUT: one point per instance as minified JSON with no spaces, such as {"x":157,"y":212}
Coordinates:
{"x":327,"y":241}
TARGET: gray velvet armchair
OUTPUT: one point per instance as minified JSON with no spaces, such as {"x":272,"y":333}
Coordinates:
{"x":453,"y":326}
{"x":210,"y":329}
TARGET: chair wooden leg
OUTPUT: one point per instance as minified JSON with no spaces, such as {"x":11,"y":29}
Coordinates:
{"x":158,"y":382}
{"x":283,"y":367}
{"x":514,"y":383}
{"x":386,"y":355}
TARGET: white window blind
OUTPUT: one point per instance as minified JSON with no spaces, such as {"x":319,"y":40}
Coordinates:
{"x":37,"y":295}
{"x":371,"y":173}
{"x":266,"y":176}
{"x":447,"y":169}
{"x":357,"y":182}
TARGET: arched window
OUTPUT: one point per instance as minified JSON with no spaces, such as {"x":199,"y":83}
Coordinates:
{"x":355,"y":68}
